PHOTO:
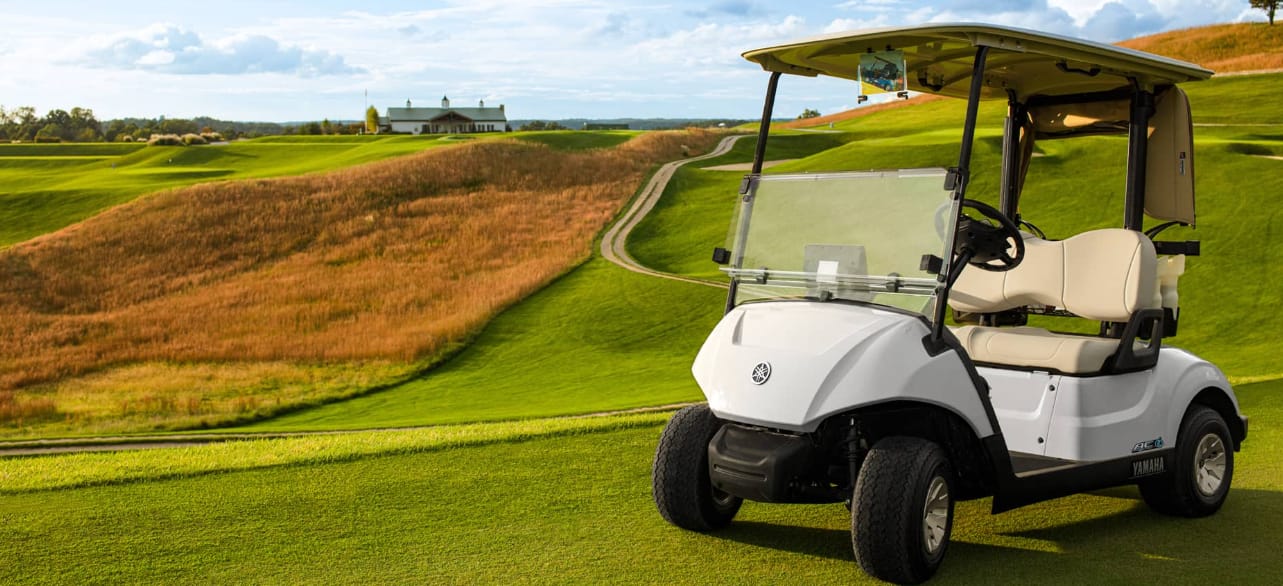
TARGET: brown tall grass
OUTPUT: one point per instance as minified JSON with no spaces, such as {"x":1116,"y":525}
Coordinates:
{"x":391,"y":260}
{"x":1223,"y":48}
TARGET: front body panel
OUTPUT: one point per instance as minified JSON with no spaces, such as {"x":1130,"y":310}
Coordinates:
{"x":823,"y":359}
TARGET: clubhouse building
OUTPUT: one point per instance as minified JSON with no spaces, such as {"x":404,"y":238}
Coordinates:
{"x":444,"y":120}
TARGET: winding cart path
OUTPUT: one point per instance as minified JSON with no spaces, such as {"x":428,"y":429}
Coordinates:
{"x":613,"y":243}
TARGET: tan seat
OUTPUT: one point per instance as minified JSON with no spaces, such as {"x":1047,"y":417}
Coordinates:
{"x":1104,"y":275}
{"x":1036,"y":348}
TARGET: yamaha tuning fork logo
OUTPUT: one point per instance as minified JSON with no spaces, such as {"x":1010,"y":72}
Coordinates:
{"x":761,"y":373}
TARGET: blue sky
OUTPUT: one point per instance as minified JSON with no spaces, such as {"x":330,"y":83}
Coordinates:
{"x":297,"y":60}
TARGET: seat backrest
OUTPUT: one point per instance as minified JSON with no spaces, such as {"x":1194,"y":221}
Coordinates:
{"x":1104,"y":275}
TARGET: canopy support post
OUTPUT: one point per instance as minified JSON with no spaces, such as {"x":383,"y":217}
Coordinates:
{"x":765,"y":129}
{"x":957,"y":181}
{"x":759,"y":156}
{"x":1137,"y":155}
{"x":1016,"y":114}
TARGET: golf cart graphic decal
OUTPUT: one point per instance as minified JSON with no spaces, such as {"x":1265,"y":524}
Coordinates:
{"x":761,"y":373}
{"x":1148,"y":467}
{"x":1153,"y":444}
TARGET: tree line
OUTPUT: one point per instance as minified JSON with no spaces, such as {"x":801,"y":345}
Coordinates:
{"x":23,"y":124}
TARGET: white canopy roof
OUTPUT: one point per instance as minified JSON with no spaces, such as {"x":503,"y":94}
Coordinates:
{"x":939,"y":60}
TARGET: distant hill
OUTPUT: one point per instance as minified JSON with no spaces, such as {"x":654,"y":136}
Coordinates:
{"x":1223,"y":48}
{"x":637,"y":123}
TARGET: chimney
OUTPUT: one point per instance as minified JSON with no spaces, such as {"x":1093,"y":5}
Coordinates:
{"x":445,"y":102}
{"x":407,"y":104}
{"x":500,"y":107}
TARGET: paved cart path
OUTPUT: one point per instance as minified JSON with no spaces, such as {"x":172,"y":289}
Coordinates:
{"x":613,"y":243}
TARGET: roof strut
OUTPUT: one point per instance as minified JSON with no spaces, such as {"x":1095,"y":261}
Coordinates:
{"x":765,"y":129}
{"x":1016,"y":114}
{"x":759,"y":155}
{"x":1137,"y":154}
{"x":957,"y":180}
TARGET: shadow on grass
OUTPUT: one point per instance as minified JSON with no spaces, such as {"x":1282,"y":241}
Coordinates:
{"x":1236,"y":544}
{"x":813,"y":541}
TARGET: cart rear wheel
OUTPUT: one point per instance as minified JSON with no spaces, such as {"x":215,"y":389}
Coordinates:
{"x":680,"y":484}
{"x":902,"y":513}
{"x":1199,"y":481}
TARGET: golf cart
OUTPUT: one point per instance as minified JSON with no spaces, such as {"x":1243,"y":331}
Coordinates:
{"x":836,"y":375}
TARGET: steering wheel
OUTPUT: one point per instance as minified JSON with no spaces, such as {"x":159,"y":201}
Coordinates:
{"x":989,"y":243}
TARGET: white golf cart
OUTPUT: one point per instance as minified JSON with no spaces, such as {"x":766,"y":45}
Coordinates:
{"x":834,"y":377}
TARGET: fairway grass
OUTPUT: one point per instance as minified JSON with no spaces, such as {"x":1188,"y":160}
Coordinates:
{"x":399,"y":261}
{"x":45,"y":187}
{"x":575,"y":507}
{"x":1229,"y":295}
{"x":600,"y":338}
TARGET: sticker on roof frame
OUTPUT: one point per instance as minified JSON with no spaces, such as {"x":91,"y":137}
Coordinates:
{"x":882,"y":72}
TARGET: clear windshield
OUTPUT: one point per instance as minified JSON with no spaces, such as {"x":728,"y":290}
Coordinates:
{"x":841,"y":236}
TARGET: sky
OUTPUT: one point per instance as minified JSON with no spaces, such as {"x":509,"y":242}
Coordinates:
{"x":295,"y":60}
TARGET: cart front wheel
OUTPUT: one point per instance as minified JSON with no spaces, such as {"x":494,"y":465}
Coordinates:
{"x":680,"y":484}
{"x":902,"y":510}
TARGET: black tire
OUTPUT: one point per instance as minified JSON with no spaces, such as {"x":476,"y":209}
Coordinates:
{"x":888,"y":529}
{"x":1178,"y":492}
{"x":682,"y":489}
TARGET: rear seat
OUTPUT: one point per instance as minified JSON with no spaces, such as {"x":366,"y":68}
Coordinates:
{"x":1104,"y":275}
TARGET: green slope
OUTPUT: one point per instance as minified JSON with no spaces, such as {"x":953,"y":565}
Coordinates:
{"x":577,"y":509}
{"x":1229,"y":296}
{"x":44,"y":187}
{"x":600,"y":338}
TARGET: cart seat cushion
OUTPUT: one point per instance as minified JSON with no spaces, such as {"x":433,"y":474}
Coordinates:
{"x":1036,"y":348}
{"x":1104,"y":275}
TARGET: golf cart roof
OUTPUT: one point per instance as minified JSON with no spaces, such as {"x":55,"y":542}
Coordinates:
{"x":939,"y":60}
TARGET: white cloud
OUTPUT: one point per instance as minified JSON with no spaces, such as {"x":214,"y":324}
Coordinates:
{"x":549,"y":59}
{"x":166,"y":48}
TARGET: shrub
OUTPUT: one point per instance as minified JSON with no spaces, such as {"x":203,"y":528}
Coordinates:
{"x":192,"y":138}
{"x":47,"y":138}
{"x":126,"y":138}
{"x":212,"y":136}
{"x":165,"y":140}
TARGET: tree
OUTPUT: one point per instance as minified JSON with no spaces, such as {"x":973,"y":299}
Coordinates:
{"x":809,"y":113}
{"x":371,"y":120}
{"x":326,"y":127}
{"x":1269,"y":6}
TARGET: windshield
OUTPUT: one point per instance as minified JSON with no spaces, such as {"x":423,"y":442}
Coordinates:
{"x":841,"y":236}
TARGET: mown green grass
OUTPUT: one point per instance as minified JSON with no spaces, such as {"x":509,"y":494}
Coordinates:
{"x":21,"y":475}
{"x":678,"y":236}
{"x":1228,"y":295}
{"x":575,"y":507}
{"x":578,"y":140}
{"x":600,"y":338}
{"x":45,"y":187}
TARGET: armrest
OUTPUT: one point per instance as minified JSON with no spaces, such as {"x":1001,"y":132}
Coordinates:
{"x":1128,"y":358}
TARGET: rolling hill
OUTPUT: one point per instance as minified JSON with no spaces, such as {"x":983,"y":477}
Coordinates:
{"x":1223,"y":48}
{"x":1074,"y":186}
{"x":46,"y":187}
{"x":394,"y":263}
{"x":567,"y":501}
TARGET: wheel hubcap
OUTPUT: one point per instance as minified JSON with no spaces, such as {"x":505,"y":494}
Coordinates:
{"x":935,"y":514}
{"x":1209,"y":464}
